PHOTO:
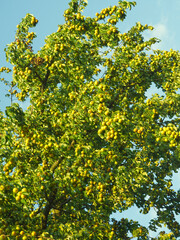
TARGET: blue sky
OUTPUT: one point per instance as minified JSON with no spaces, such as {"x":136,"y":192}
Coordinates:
{"x":162,"y":14}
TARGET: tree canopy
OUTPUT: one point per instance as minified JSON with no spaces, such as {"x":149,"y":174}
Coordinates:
{"x":91,"y":142}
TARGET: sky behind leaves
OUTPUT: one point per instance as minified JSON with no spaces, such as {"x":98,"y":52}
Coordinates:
{"x":162,"y":14}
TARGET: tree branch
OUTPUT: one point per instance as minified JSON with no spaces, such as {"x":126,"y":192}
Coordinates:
{"x":56,"y":163}
{"x":51,"y":201}
{"x":48,"y":207}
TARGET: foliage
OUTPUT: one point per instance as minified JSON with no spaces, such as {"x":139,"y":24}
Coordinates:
{"x":90,"y":143}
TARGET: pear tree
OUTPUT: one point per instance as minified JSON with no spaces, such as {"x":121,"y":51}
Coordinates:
{"x":90,"y":143}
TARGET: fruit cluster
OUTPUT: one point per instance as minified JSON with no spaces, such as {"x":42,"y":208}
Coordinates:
{"x":169,"y":134}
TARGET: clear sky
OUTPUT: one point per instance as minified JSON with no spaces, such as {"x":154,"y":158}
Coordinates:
{"x":162,"y":14}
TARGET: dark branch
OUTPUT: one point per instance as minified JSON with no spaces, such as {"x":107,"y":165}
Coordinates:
{"x":48,"y":207}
